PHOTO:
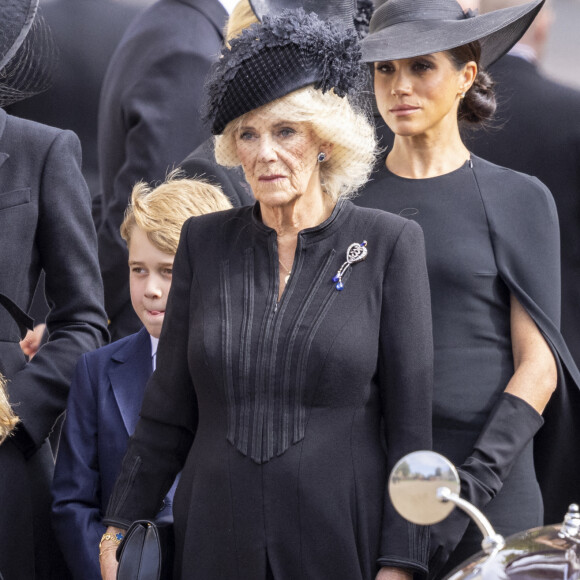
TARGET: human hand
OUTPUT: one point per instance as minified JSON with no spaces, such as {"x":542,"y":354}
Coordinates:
{"x":31,"y":342}
{"x":389,"y":573}
{"x":108,"y":555}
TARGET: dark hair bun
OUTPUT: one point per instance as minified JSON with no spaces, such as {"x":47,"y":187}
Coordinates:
{"x":478,"y":106}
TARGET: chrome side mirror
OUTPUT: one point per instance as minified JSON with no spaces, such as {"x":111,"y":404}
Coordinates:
{"x":413,"y":486}
{"x":424,"y":488}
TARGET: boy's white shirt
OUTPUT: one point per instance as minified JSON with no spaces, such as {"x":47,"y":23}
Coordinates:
{"x":154,"y":343}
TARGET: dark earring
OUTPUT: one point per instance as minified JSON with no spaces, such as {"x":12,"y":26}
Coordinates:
{"x":321,"y":157}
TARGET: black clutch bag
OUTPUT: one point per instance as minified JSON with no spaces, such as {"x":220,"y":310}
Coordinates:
{"x":146,"y":552}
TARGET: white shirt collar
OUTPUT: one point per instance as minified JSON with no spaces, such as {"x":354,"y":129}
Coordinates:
{"x":228,"y":5}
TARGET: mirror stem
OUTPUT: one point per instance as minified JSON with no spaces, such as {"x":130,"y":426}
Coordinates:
{"x":491,"y":541}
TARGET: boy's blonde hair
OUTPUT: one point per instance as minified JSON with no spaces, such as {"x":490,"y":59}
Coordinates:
{"x":160,"y":212}
{"x":242,"y":17}
{"x":8,"y":419}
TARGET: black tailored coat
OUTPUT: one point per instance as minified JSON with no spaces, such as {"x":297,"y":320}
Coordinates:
{"x":280,"y":411}
{"x":45,"y":224}
{"x":149,"y":120}
{"x":537,"y":131}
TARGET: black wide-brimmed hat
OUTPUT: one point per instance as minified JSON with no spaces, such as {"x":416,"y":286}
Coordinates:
{"x":27,"y":51}
{"x":280,"y":55}
{"x":409,"y":28}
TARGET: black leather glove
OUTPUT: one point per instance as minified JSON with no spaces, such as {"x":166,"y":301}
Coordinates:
{"x":510,"y":427}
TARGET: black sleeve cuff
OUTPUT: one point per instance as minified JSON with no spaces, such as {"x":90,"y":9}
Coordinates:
{"x":418,"y":569}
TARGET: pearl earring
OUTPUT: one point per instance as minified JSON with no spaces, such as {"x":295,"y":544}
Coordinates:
{"x":321,"y":157}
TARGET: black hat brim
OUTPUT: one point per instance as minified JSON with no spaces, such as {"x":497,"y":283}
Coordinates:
{"x":496,"y":32}
{"x":16,"y":23}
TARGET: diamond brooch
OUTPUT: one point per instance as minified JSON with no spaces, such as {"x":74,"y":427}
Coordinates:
{"x":355,"y":253}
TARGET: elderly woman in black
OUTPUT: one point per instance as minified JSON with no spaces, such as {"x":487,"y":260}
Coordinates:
{"x":294,"y":367}
{"x":492,"y":247}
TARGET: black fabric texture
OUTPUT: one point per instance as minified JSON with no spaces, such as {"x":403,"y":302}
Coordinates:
{"x":279,"y":411}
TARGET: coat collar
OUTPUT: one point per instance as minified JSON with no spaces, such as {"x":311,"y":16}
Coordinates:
{"x":213,"y":10}
{"x":130,"y":370}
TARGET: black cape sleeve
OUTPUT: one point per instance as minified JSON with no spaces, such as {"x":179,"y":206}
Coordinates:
{"x":525,"y":236}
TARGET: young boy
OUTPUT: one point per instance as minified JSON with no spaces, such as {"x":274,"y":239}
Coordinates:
{"x":107,"y":390}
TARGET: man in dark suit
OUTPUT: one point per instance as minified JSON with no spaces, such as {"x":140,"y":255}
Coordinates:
{"x":149,"y":120}
{"x":45,"y":224}
{"x":538,"y":132}
{"x":86,"y":33}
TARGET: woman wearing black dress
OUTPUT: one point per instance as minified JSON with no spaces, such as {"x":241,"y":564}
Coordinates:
{"x":290,"y":378}
{"x":492,"y":245}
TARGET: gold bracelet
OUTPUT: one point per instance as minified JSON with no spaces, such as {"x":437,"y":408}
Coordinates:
{"x":115,"y":538}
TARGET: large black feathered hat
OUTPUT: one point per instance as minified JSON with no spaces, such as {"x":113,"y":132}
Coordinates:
{"x":409,"y":28}
{"x":278,"y":56}
{"x":27,"y":51}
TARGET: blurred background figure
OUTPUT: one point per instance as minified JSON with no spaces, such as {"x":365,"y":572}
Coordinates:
{"x":149,"y":120}
{"x":86,"y":33}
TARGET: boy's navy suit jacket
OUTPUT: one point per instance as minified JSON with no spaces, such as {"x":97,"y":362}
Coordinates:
{"x":102,"y":411}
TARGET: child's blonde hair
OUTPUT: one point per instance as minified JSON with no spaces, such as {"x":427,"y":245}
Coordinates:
{"x":8,"y":419}
{"x":160,"y":212}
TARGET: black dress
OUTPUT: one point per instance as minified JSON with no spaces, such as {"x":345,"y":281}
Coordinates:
{"x":289,"y":404}
{"x":489,"y":232}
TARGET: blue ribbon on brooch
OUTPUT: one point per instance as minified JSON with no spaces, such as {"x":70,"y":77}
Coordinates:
{"x":355,"y":253}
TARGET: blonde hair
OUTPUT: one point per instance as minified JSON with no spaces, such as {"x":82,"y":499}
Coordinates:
{"x":160,"y":212}
{"x":8,"y":419}
{"x":242,"y":17}
{"x":334,"y":121}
